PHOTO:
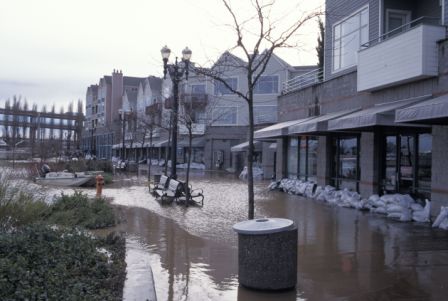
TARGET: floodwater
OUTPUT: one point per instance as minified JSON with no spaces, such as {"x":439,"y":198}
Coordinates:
{"x":343,"y":254}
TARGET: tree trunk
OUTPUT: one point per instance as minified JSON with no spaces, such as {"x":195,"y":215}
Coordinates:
{"x":250,"y":155}
{"x":190,"y":142}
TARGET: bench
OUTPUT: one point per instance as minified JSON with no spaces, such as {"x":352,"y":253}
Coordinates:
{"x":160,"y":187}
{"x":172,"y":192}
{"x":196,"y":196}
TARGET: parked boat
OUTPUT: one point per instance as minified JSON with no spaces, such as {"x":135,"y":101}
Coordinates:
{"x":64,"y":179}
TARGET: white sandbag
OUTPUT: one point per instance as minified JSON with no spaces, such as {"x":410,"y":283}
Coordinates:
{"x":441,"y":217}
{"x":388,"y":198}
{"x":317,"y":192}
{"x":416,"y":207}
{"x":374,"y":198}
{"x":405,"y":201}
{"x":422,"y":216}
{"x":444,"y":224}
{"x":394,"y":208}
{"x":380,"y":210}
{"x":395,"y":215}
{"x":329,"y":188}
{"x":379,"y":203}
{"x":406,"y":215}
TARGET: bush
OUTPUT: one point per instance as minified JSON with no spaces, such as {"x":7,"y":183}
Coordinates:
{"x":79,"y":210}
{"x":19,"y":204}
{"x":54,"y":264}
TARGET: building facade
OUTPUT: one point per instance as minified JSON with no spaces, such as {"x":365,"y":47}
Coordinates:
{"x":103,"y":127}
{"x":362,"y":127}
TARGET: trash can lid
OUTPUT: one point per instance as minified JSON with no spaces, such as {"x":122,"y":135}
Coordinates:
{"x":263,"y":226}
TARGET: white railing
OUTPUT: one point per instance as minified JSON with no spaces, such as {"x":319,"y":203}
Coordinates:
{"x":304,"y":80}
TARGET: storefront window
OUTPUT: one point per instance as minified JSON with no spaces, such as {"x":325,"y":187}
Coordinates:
{"x":346,"y":171}
{"x":390,"y":179}
{"x":424,"y":162}
{"x":302,"y":158}
{"x":292,"y":157}
{"x":312,"y":159}
{"x":407,"y":164}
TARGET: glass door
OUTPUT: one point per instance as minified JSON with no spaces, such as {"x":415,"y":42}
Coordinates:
{"x":396,"y":21}
{"x":407,"y":164}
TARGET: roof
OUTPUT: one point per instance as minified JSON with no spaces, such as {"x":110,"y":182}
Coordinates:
{"x":132,"y":81}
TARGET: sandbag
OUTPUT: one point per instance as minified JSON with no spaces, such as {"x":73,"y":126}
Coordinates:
{"x":441,"y":217}
{"x":422,"y":216}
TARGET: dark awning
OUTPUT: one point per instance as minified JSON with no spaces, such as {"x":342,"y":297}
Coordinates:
{"x":378,"y":115}
{"x":196,"y":142}
{"x":317,"y":125}
{"x":242,"y":147}
{"x":162,"y":143}
{"x":277,"y":130}
{"x":433,"y":111}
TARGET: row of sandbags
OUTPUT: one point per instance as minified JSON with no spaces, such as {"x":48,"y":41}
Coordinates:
{"x":396,"y":206}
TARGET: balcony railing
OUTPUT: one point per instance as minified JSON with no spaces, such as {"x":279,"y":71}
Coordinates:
{"x":402,"y":29}
{"x":304,"y":80}
{"x":408,"y":53}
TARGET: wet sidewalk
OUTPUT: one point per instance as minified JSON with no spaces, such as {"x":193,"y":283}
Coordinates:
{"x":344,"y":254}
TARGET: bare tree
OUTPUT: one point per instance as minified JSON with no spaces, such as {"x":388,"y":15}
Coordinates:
{"x":252,"y":35}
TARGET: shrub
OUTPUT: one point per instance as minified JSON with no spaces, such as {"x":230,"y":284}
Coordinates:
{"x":79,"y":210}
{"x":54,"y":264}
{"x":19,"y":204}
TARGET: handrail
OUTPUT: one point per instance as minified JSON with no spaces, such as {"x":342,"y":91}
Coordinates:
{"x":402,"y":29}
{"x":303,"y":80}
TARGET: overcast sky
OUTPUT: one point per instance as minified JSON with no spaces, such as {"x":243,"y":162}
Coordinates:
{"x":51,"y":50}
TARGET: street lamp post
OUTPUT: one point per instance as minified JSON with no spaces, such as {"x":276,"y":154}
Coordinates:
{"x":176,"y":72}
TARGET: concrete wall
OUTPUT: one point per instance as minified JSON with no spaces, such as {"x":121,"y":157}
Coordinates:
{"x":439,"y":176}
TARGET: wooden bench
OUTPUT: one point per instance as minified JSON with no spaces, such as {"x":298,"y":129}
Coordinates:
{"x":160,"y":187}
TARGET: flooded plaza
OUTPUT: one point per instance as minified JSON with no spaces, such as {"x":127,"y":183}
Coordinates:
{"x":343,"y":254}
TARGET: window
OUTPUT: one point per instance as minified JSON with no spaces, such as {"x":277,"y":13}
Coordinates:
{"x":407,"y":164}
{"x":265,"y":114}
{"x":348,"y":36}
{"x":293,"y":145}
{"x":221,"y":89}
{"x":302,"y":158}
{"x":346,"y":162}
{"x":267,"y":85}
{"x":225,"y":115}
{"x":197,"y":89}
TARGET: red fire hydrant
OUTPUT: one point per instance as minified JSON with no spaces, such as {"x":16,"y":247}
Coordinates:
{"x":99,"y":185}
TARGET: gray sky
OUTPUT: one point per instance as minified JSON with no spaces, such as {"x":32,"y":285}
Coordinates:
{"x":51,"y":50}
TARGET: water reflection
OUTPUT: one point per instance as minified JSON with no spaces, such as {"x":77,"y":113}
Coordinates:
{"x":343,"y":254}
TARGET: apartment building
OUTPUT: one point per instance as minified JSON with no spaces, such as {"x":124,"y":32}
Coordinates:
{"x":377,"y":122}
{"x":104,"y":102}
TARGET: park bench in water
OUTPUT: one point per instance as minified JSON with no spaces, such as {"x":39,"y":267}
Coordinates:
{"x":160,"y":187}
{"x":169,"y":190}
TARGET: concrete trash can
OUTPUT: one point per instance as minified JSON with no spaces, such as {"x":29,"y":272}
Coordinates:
{"x":267,"y":253}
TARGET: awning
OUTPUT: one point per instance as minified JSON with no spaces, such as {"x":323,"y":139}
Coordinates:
{"x":379,"y":115}
{"x":162,"y":143}
{"x":277,"y":130}
{"x":317,"y":125}
{"x":433,"y":111}
{"x":196,"y":142}
{"x":242,"y":147}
